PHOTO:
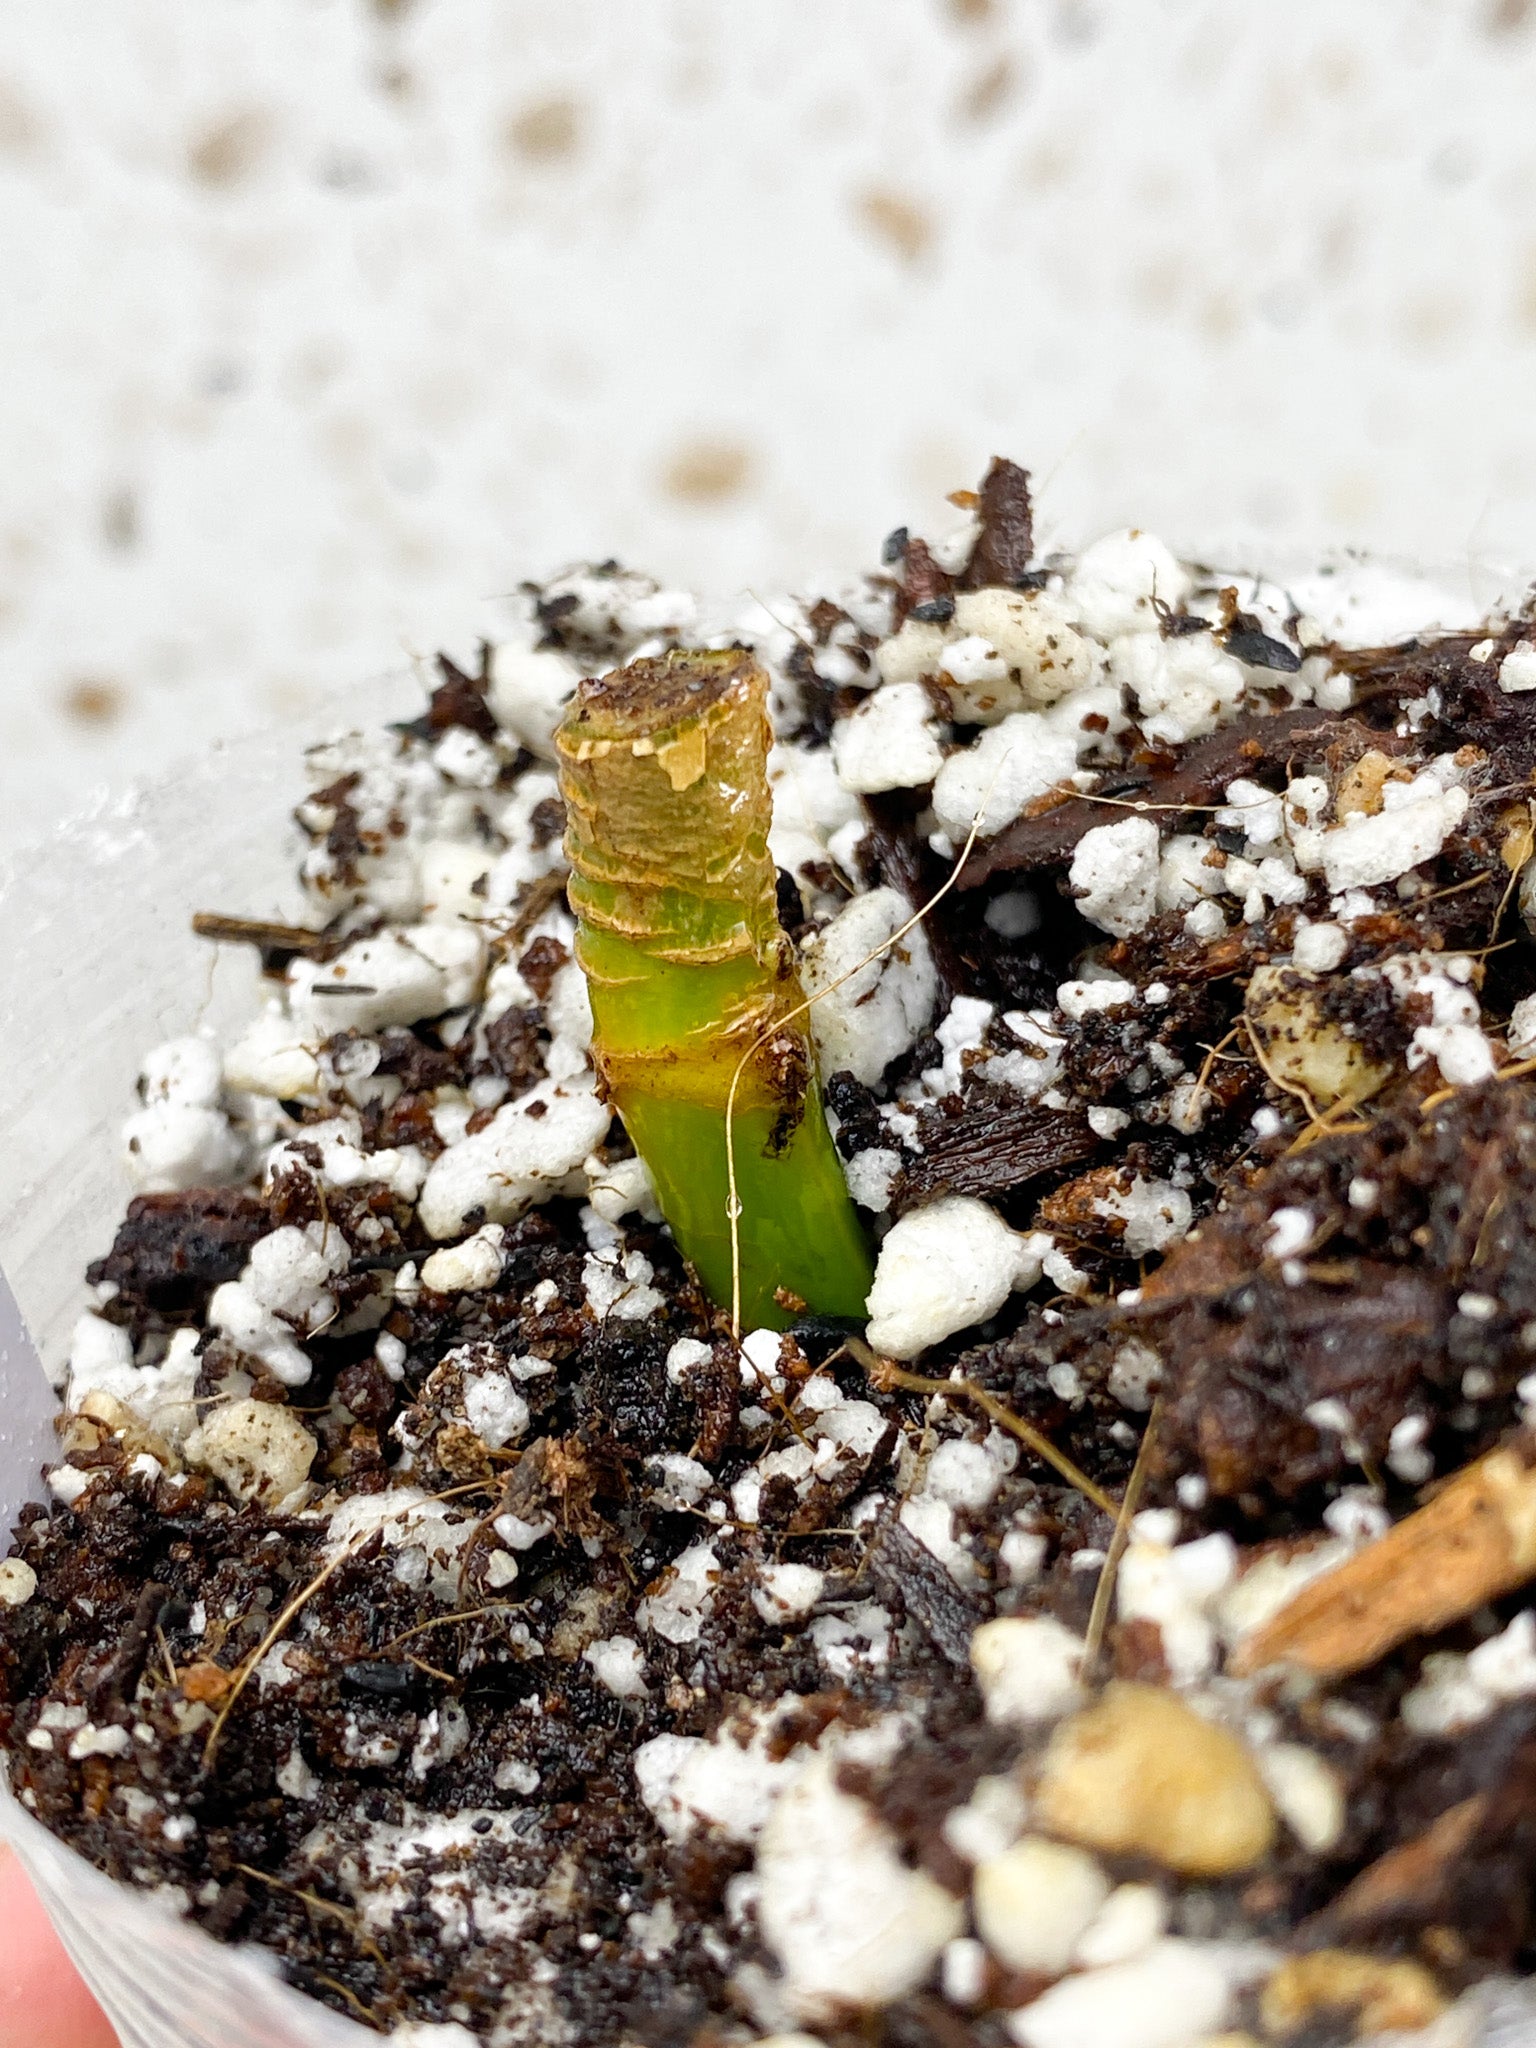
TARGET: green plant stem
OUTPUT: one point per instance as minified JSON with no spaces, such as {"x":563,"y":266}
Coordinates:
{"x":693,"y":984}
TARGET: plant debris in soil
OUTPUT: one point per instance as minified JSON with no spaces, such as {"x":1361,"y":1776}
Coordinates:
{"x":435,"y":1590}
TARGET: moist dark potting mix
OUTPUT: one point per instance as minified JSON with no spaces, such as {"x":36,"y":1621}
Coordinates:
{"x":1032,"y":1541}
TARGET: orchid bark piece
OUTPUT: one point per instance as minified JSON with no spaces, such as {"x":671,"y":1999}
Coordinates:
{"x":696,"y":1002}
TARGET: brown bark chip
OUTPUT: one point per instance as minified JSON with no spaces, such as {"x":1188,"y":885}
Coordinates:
{"x":1474,"y":1541}
{"x":1007,"y":538}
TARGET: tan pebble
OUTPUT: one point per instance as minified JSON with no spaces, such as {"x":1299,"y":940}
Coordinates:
{"x":1382,"y":1995}
{"x":79,"y":1433}
{"x":205,"y":1681}
{"x":1360,"y":787}
{"x":119,"y":1420}
{"x":1140,"y":1773}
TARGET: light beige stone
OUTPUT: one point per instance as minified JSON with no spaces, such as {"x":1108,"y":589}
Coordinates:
{"x":1033,"y":1903}
{"x":260,"y":1451}
{"x":1303,"y":1048}
{"x":1140,"y":1773}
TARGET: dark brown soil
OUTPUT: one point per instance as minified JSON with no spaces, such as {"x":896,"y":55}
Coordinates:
{"x":154,"y":1595}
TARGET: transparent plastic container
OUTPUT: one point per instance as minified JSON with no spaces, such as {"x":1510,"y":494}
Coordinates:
{"x":98,"y":964}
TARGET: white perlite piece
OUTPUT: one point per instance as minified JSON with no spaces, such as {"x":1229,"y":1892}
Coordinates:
{"x":786,"y":1591}
{"x":260,"y":1451}
{"x":1121,"y":579}
{"x":963,"y":1972}
{"x":427,"y":1536}
{"x":1367,"y":851}
{"x":1185,"y":875}
{"x":181,"y":1138}
{"x":679,"y":1482}
{"x":528,"y":691}
{"x":1134,"y":1374}
{"x":1176,"y":1586}
{"x":870,"y":1176}
{"x":890,"y":742}
{"x":1183,"y":688}
{"x":1027,"y":1667}
{"x":683,"y":1597}
{"x":619,"y":1285}
{"x":1114,"y":875}
{"x":943,"y":1268}
{"x":1079,"y":999}
{"x":161,"y":1396}
{"x":272,"y":1058}
{"x":884,"y":1006}
{"x":1318,"y":948}
{"x":811,"y":808}
{"x":1307,"y":1792}
{"x":454,"y":875}
{"x":1517,"y":671}
{"x":1033,"y":634}
{"x":235,"y":1313}
{"x":685,"y":1357}
{"x":960,"y":1474}
{"x":1155,"y":1213}
{"x":399,"y":978}
{"x":619,"y":1664}
{"x":1254,"y":811}
{"x":1167,"y":1997}
{"x":991,"y":1820}
{"x":1290,"y":1231}
{"x":289,"y":1271}
{"x":1522,"y":1028}
{"x":1457,"y":1689}
{"x":523,"y":1155}
{"x":623,"y":1189}
{"x":343,"y":1162}
{"x":441,"y":1735}
{"x":493,"y":1407}
{"x":1016,"y":650}
{"x":989,"y":783}
{"x":966,"y":1474}
{"x":1004,"y":651}
{"x":1130,"y":1920}
{"x":466,"y":1268}
{"x":847,"y":1921}
{"x":963,"y":1030}
{"x":688,"y":1782}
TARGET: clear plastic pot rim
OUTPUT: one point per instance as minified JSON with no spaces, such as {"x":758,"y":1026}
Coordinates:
{"x":100,"y":964}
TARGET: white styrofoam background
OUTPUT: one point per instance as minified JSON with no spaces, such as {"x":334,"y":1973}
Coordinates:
{"x":324,"y":321}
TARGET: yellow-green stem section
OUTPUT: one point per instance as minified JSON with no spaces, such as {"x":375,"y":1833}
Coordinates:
{"x":693,"y":986}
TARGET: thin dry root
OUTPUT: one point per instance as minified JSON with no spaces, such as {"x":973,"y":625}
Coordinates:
{"x":886,"y":1374}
